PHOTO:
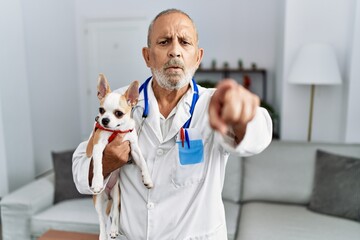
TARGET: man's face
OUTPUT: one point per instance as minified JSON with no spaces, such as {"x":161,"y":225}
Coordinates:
{"x":173,"y":54}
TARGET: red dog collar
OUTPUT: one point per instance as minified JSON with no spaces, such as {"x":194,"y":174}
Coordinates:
{"x":115,"y":132}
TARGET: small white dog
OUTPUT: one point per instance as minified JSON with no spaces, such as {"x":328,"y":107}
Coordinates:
{"x":114,"y":118}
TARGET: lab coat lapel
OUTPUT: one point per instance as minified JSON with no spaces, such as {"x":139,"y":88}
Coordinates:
{"x":153,"y":119}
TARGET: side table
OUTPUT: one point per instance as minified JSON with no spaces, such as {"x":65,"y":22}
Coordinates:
{"x":64,"y":235}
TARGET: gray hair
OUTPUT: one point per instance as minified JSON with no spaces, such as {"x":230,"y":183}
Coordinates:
{"x":168,"y":11}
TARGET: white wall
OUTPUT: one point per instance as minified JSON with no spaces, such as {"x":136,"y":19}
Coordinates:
{"x":316,"y":21}
{"x":52,"y":77}
{"x":353,"y":109}
{"x":228,"y":31}
{"x":39,"y":86}
{"x":15,"y":107}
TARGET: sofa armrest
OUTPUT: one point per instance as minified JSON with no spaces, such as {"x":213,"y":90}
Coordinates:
{"x":18,"y":207}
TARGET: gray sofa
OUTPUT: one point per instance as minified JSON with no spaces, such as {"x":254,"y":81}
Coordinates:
{"x":265,"y":197}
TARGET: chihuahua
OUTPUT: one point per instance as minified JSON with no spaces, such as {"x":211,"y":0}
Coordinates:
{"x":113,"y":118}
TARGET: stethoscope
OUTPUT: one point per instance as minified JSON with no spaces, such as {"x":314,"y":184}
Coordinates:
{"x":144,"y":87}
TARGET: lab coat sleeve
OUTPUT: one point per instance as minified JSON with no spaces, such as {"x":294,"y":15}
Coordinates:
{"x":80,"y":170}
{"x":257,"y":137}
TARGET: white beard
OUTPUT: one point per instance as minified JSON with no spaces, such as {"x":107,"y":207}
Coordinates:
{"x":171,"y":82}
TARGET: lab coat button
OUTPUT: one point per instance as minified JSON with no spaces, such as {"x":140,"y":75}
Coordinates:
{"x":159,"y":152}
{"x":150,"y":205}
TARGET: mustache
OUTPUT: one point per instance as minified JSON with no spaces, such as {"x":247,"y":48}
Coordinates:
{"x":174,"y":63}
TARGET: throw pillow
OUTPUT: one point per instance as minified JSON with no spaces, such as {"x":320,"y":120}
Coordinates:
{"x":64,"y":183}
{"x":336,"y":186}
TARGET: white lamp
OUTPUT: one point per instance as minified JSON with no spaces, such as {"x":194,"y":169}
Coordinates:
{"x":315,"y":64}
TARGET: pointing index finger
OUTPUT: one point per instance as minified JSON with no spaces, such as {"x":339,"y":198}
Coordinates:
{"x":216,"y":104}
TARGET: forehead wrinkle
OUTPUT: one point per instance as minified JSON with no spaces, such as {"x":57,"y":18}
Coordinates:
{"x":181,"y":35}
{"x":182,"y":27}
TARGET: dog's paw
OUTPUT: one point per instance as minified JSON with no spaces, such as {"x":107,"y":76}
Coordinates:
{"x":114,"y":229}
{"x":96,"y":190}
{"x":147,"y":182}
{"x":96,"y":186}
{"x":114,"y":234}
{"x":149,"y":185}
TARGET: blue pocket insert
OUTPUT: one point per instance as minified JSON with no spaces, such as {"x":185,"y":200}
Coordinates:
{"x":192,"y":155}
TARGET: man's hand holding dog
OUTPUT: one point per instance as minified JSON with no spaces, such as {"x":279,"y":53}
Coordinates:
{"x":115,"y":155}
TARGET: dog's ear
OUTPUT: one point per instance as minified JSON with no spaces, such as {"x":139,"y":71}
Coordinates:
{"x":103,"y":86}
{"x":132,"y":93}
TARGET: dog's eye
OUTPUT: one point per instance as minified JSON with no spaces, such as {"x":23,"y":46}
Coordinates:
{"x":101,"y":110}
{"x":118,"y":114}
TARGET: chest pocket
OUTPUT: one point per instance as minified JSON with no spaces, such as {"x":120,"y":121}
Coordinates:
{"x":189,"y":165}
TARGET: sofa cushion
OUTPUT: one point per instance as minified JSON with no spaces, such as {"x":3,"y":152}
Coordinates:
{"x":77,"y":215}
{"x":268,"y":221}
{"x":337,"y":186}
{"x":232,"y":218}
{"x":64,"y":183}
{"x":284,"y":172}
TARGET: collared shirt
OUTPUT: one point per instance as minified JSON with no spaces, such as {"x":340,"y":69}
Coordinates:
{"x":165,"y":123}
{"x":185,"y":202}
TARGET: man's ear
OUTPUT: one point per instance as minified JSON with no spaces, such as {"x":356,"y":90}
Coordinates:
{"x":103,"y":86}
{"x":146,"y":55}
{"x":132,"y":93}
{"x":200,"y":56}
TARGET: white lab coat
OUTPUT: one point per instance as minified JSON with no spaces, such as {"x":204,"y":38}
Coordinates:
{"x":185,"y":202}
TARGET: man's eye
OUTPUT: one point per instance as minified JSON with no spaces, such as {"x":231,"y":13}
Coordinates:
{"x":185,"y":42}
{"x":163,"y":42}
{"x":118,"y":114}
{"x":101,"y":110}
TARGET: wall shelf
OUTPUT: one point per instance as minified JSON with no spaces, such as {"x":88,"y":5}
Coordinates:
{"x":230,"y":72}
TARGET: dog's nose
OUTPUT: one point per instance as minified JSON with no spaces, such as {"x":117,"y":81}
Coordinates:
{"x":105,"y":121}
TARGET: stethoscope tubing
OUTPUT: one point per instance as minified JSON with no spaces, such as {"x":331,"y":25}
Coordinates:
{"x":195,"y":98}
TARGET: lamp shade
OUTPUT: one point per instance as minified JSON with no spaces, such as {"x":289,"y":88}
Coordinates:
{"x":315,"y":64}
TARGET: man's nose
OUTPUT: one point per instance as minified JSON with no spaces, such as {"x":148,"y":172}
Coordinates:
{"x":174,"y":50}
